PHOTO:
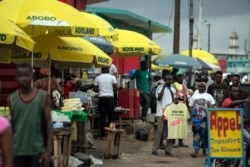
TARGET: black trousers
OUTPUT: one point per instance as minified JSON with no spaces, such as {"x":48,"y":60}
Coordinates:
{"x":28,"y":161}
{"x":106,"y":108}
{"x":145,"y":103}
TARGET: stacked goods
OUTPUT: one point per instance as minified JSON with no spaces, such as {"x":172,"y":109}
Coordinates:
{"x":73,"y":104}
{"x":59,"y":117}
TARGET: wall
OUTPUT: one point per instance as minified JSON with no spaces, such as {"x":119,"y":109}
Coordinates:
{"x":78,"y":4}
{"x":7,"y":81}
{"x":125,"y":64}
{"x":223,"y":65}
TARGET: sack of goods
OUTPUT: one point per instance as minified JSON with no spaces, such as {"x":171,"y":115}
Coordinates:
{"x":142,"y":134}
{"x":73,"y":104}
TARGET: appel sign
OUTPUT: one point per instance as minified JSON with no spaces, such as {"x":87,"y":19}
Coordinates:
{"x":225,"y":133}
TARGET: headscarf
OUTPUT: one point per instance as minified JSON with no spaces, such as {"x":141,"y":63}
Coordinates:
{"x":44,"y":71}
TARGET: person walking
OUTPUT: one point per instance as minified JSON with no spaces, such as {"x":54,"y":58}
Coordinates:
{"x":31,"y":122}
{"x":217,"y":89}
{"x":143,"y":83}
{"x":235,"y":80}
{"x":105,"y":84}
{"x":165,"y":96}
{"x":181,"y":95}
{"x":6,"y":143}
{"x":199,"y":103}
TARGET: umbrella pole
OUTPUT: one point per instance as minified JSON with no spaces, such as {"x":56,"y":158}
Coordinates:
{"x":49,"y":74}
{"x":32,"y":55}
{"x":62,"y":80}
{"x":117,"y":64}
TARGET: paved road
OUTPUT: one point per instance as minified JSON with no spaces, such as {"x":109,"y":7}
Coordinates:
{"x":137,"y":153}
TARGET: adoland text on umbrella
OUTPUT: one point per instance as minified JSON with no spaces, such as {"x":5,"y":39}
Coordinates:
{"x":81,"y":30}
{"x":133,"y":49}
{"x":36,"y":55}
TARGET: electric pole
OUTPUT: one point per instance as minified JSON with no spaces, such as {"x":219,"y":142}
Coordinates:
{"x":176,"y":47}
{"x":249,"y":34}
{"x":191,"y":26}
{"x":191,"y":30}
{"x":208,"y":42}
{"x":200,"y":23}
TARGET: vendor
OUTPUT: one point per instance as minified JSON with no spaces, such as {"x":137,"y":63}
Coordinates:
{"x":43,"y":83}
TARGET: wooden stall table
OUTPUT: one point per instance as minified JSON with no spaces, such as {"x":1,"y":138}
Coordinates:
{"x":62,"y":146}
{"x":113,"y":142}
{"x":92,"y":118}
{"x":79,"y":117}
{"x":119,"y":111}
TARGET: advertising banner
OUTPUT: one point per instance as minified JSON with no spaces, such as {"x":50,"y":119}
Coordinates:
{"x":225,"y":132}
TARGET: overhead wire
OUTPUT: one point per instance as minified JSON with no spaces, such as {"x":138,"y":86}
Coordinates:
{"x":169,"y":20}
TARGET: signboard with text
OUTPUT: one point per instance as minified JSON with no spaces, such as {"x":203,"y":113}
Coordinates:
{"x":225,"y":132}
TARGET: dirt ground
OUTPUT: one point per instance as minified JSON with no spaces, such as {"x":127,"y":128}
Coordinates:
{"x":136,"y":153}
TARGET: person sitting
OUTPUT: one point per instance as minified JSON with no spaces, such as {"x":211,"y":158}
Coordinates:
{"x":54,"y":89}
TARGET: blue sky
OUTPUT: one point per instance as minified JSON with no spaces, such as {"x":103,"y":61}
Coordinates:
{"x":224,"y":16}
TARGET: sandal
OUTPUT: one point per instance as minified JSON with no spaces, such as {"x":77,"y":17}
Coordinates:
{"x":194,"y":155}
{"x":204,"y":153}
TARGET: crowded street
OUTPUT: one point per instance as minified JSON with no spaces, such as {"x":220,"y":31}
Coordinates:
{"x":117,"y":83}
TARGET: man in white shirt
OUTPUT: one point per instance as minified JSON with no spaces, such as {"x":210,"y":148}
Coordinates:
{"x":105,"y":84}
{"x":165,"y":96}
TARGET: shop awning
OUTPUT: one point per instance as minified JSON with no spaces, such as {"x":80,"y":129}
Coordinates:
{"x":95,"y":1}
{"x":130,"y":18}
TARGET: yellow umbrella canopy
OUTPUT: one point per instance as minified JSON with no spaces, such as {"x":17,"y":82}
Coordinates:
{"x":131,"y":43}
{"x":201,"y":54}
{"x":37,"y":17}
{"x":12,"y":40}
{"x":105,"y":28}
{"x":66,"y":52}
{"x":156,"y":58}
{"x":158,"y":68}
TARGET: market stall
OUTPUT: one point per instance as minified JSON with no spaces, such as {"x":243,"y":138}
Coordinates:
{"x":69,"y":130}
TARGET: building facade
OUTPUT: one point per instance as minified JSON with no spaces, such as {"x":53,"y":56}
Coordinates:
{"x":235,"y":62}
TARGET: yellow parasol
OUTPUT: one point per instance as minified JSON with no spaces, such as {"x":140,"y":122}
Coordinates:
{"x":105,"y":28}
{"x":201,"y":54}
{"x":37,"y":17}
{"x":65,"y":52}
{"x":158,"y":68}
{"x":131,"y":43}
{"x":156,"y":58}
{"x":12,"y":39}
